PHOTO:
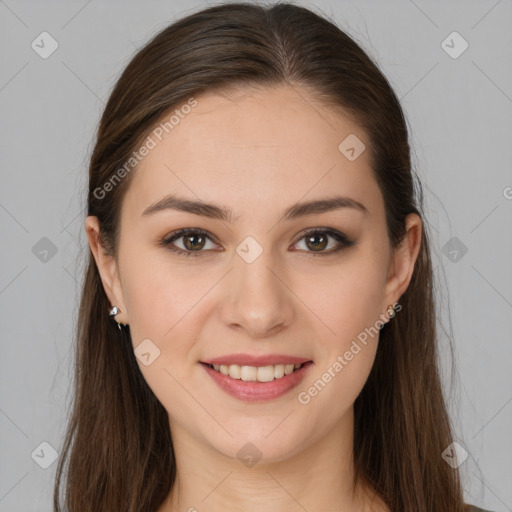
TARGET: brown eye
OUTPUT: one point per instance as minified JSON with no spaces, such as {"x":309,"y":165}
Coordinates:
{"x":316,"y":241}
{"x":194,"y":242}
{"x":189,"y":242}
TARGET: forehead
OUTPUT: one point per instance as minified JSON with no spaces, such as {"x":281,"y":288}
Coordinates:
{"x":271,"y":146}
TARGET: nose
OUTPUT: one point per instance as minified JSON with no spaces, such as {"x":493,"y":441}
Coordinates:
{"x":258,"y":301}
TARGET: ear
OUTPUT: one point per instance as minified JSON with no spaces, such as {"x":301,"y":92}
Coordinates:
{"x":107,"y":267}
{"x":403,"y":261}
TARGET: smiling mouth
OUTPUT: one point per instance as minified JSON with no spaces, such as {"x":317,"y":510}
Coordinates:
{"x":257,"y":373}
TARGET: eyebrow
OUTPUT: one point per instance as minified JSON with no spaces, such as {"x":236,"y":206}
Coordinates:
{"x":214,"y":211}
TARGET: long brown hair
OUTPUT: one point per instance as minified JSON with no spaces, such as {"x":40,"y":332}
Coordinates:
{"x":118,"y":444}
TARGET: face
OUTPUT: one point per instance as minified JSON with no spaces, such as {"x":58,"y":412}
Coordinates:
{"x":257,"y":286}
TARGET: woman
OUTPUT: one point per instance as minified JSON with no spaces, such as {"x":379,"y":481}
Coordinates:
{"x":257,"y":324}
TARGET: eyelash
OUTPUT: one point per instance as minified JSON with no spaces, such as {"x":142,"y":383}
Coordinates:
{"x":344,"y":242}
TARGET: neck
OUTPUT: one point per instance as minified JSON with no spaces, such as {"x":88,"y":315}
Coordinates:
{"x":317,"y":477}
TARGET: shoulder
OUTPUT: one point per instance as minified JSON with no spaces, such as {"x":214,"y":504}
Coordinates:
{"x":472,"y":508}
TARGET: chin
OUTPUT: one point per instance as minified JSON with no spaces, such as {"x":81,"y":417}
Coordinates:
{"x":260,"y":444}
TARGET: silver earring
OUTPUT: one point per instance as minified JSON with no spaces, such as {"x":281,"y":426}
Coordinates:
{"x":112,"y":313}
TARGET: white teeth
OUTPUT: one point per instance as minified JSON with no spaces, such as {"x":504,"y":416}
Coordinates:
{"x":248,"y":373}
{"x":253,"y":373}
{"x":265,"y":373}
{"x":278,"y":371}
{"x":234,"y":371}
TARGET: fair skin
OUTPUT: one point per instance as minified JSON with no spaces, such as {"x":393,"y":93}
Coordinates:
{"x":257,"y":153}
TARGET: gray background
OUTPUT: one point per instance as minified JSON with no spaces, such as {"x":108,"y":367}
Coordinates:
{"x":459,"y":112}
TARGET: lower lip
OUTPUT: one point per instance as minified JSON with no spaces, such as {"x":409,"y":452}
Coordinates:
{"x":253,"y":391}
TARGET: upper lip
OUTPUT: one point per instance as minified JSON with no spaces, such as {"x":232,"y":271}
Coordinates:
{"x":254,"y":360}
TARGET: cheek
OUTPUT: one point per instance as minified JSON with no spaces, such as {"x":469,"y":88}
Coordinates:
{"x":161,"y":305}
{"x":345,"y":358}
{"x":159,"y":296}
{"x":346,"y":299}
